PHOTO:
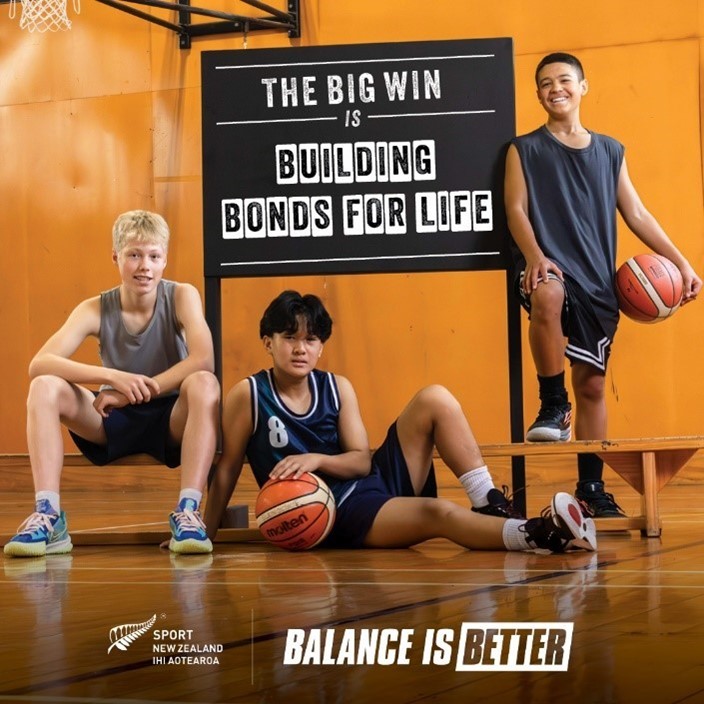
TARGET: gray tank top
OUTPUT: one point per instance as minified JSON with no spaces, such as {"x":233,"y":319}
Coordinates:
{"x":572,"y":207}
{"x":154,"y":350}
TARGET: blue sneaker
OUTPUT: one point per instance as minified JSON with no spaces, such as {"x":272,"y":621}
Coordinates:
{"x":188,"y":530}
{"x":43,"y":533}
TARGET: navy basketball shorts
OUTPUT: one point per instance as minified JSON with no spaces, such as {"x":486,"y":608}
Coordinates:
{"x":388,"y":478}
{"x":139,"y":428}
{"x":589,"y":335}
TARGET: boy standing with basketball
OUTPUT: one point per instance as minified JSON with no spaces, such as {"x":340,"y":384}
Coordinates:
{"x":294,"y":419}
{"x":158,"y":393}
{"x":563,"y":187}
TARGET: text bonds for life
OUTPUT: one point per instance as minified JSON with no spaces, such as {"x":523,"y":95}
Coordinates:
{"x":361,"y":213}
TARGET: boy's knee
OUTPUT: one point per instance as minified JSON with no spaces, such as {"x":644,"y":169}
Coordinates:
{"x":547,"y":300}
{"x":45,"y":389}
{"x":437,"y":396}
{"x":203,"y":385}
{"x":590,"y":389}
{"x":431,"y":405}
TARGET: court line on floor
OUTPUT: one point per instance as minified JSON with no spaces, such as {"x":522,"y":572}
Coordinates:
{"x":91,"y":531}
{"x":376,"y":570}
{"x":519,"y":583}
{"x":478,"y":570}
{"x":83,"y":531}
{"x":90,"y":700}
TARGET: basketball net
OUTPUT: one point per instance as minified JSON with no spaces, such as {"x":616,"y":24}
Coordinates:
{"x":43,"y":15}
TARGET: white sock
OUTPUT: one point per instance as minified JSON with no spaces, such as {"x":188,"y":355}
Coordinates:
{"x":515,"y":539}
{"x":477,"y":483}
{"x":52,"y":497}
{"x":192,"y":494}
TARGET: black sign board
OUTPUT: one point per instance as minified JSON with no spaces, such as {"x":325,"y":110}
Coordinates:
{"x":356,"y":158}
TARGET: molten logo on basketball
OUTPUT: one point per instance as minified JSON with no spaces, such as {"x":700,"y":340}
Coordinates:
{"x":287,"y":525}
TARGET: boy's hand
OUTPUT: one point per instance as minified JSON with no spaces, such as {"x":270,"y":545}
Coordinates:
{"x":294,"y":466}
{"x":138,"y":388}
{"x":691,"y":284}
{"x":537,"y":272}
{"x":106,"y":400}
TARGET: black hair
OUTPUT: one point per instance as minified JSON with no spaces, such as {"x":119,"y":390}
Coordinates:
{"x":283,"y":312}
{"x":560,"y":57}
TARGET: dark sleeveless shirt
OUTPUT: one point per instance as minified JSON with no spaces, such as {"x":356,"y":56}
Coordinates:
{"x":572,"y":197}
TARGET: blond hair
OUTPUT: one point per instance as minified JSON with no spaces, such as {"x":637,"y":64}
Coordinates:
{"x":142,"y":226}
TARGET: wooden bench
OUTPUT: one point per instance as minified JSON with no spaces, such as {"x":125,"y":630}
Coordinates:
{"x":647,"y":464}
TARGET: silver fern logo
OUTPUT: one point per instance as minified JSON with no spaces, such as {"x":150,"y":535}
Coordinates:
{"x":123,"y":636}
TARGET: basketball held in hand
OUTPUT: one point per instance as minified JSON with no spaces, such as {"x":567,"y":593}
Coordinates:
{"x":649,"y":288}
{"x":295,"y":514}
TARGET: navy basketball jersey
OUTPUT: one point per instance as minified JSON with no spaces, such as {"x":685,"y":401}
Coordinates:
{"x":279,"y":432}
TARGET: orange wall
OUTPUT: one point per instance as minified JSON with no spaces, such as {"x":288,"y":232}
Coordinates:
{"x":106,"y":118}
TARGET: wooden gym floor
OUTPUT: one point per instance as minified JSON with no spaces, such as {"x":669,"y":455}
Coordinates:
{"x":637,"y":606}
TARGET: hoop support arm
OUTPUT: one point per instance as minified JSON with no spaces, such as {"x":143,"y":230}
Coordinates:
{"x":228,"y":22}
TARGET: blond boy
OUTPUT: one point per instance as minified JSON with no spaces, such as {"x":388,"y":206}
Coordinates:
{"x":157,"y":391}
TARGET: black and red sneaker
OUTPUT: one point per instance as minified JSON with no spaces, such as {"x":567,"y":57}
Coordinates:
{"x":561,"y":526}
{"x":553,"y":424}
{"x":599,"y":503}
{"x":500,"y":504}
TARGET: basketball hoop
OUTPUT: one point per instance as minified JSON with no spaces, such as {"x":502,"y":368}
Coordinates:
{"x":44,"y":15}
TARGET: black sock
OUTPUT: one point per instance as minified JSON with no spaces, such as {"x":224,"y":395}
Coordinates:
{"x":552,"y":389}
{"x":589,"y":467}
